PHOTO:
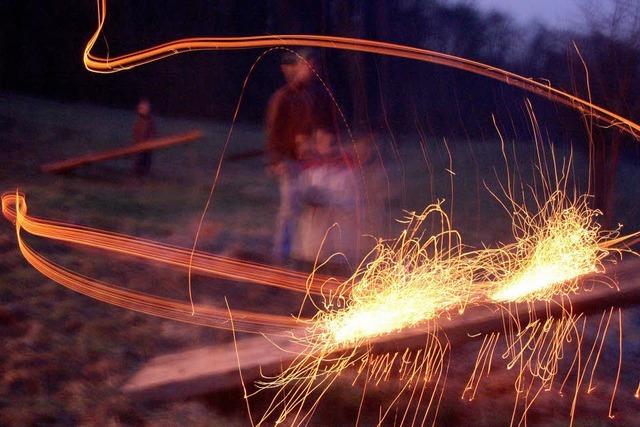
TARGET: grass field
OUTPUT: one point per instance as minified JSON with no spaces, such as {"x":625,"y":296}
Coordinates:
{"x":64,"y":356}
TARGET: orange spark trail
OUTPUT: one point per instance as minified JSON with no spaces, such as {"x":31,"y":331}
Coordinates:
{"x":412,"y":283}
{"x":113,"y":64}
{"x":615,"y":385}
{"x":14,"y":209}
{"x":203,"y":263}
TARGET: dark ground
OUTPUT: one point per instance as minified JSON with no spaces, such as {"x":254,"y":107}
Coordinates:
{"x":64,"y":356}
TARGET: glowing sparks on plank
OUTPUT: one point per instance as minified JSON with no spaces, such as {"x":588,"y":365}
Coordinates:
{"x":559,"y":245}
{"x":408,"y":282}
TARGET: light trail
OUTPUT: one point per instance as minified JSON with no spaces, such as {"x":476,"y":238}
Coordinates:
{"x":203,"y":263}
{"x":127,"y":61}
{"x":14,"y":209}
{"x":408,"y":283}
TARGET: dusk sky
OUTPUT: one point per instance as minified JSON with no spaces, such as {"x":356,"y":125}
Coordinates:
{"x":556,"y":13}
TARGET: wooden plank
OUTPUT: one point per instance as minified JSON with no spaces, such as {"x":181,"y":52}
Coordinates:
{"x":210,"y":368}
{"x":481,"y":320}
{"x":154,"y":144}
{"x":215,"y":368}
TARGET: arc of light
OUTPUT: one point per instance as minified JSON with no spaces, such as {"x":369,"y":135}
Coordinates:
{"x":14,"y":208}
{"x":204,"y":263}
{"x":145,"y":303}
{"x":110,"y":65}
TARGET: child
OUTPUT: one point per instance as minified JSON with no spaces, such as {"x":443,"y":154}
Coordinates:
{"x":374,"y":190}
{"x":327,"y":194}
{"x":143,"y":130}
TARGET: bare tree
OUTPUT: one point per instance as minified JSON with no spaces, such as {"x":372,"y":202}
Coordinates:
{"x":611,"y":52}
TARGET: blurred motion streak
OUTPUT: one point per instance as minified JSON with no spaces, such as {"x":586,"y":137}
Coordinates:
{"x":124,"y":62}
{"x":14,"y":209}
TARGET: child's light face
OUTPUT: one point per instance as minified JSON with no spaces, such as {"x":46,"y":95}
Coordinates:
{"x":324,"y":142}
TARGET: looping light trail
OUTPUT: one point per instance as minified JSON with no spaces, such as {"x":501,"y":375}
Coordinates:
{"x":127,"y":61}
{"x":406,"y":283}
{"x":203,"y":263}
{"x":14,"y":208}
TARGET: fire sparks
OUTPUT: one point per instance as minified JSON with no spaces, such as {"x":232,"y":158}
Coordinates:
{"x":411,"y":283}
{"x":557,"y":247}
{"x":408,"y":282}
{"x":415,"y":281}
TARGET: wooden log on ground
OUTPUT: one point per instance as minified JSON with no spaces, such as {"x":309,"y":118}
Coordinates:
{"x":215,"y":368}
{"x":209,"y":368}
{"x":154,"y":144}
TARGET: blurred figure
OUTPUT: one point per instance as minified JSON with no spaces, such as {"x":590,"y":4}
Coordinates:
{"x":143,"y":130}
{"x":373,"y":192}
{"x":327,"y":194}
{"x":294,"y":112}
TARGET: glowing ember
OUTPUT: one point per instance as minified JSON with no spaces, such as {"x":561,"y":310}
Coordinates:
{"x":407,"y":283}
{"x":553,"y":253}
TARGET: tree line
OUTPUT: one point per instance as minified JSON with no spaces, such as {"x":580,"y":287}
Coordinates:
{"x":41,"y":45}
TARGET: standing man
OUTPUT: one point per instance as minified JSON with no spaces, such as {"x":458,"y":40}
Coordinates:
{"x":144,"y":130}
{"x":294,"y":112}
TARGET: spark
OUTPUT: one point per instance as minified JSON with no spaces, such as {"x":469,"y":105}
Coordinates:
{"x":615,"y":385}
{"x":559,"y":245}
{"x":413,"y":281}
{"x":407,"y":283}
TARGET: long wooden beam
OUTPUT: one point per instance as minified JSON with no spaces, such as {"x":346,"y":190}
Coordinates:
{"x":154,"y":144}
{"x":215,"y":367}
